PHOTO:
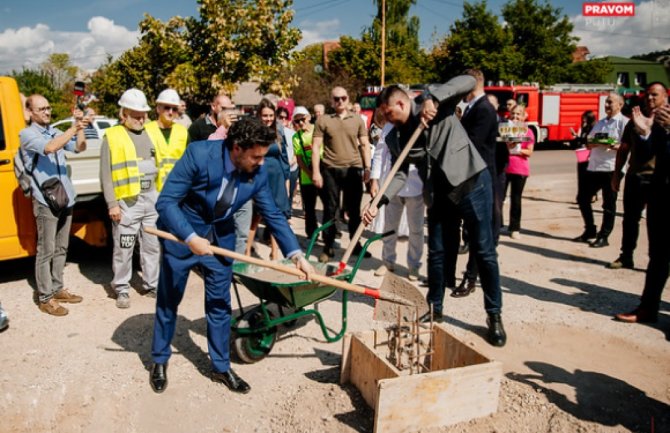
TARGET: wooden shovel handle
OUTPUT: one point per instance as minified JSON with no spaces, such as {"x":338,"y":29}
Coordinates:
{"x":382,"y":190}
{"x":376,"y":294}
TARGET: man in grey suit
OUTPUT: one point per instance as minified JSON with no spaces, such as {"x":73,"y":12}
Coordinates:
{"x":456,"y":185}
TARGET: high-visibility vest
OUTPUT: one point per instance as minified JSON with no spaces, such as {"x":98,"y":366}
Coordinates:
{"x":125,"y":171}
{"x":167,"y":153}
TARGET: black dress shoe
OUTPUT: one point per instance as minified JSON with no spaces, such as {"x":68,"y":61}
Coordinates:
{"x":496,"y":335}
{"x":436,"y":317}
{"x":600,"y":242}
{"x":158,"y":378}
{"x":584,"y":237}
{"x":464,"y":289}
{"x":234,"y":382}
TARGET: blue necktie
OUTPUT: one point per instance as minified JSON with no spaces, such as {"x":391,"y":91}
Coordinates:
{"x":226,"y":200}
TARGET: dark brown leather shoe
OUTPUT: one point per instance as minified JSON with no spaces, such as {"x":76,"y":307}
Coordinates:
{"x":638,"y":315}
{"x":234,"y":382}
{"x":464,"y":289}
{"x":158,"y":378}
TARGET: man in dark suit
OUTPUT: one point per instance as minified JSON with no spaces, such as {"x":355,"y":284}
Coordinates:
{"x":658,"y":212}
{"x":456,"y":184}
{"x":208,"y":184}
{"x":480,"y":121}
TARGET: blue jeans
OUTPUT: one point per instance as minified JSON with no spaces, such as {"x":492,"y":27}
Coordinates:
{"x":444,"y":237}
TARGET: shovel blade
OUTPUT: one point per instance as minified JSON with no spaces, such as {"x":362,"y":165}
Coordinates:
{"x":388,"y":311}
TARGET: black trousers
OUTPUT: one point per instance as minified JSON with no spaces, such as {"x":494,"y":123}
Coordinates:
{"x":658,"y":225}
{"x":595,"y":181}
{"x":516,"y":182}
{"x":347,"y":181}
{"x":308,"y":193}
{"x":637,"y":189}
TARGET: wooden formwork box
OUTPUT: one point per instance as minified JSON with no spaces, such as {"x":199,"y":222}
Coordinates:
{"x":463,"y":384}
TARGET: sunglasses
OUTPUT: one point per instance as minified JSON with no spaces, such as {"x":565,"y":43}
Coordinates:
{"x":170,"y":108}
{"x":298,"y":121}
{"x":283,"y":117}
{"x":340,"y":98}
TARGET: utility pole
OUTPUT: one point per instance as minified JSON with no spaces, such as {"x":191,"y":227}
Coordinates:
{"x":383,"y":40}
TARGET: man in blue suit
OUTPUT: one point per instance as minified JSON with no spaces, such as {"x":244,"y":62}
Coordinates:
{"x":211,"y":181}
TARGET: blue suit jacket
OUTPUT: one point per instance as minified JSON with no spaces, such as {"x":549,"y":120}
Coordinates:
{"x":186,"y":203}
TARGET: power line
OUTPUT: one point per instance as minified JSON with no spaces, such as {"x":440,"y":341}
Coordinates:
{"x":329,"y":5}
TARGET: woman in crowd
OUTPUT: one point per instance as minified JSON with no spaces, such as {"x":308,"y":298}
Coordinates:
{"x":518,"y":170}
{"x":277,"y":166}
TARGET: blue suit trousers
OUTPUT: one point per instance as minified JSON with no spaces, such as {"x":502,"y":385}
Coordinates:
{"x":217,"y":272}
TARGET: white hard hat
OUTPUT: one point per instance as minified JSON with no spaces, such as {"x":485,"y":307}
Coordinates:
{"x":134,"y":99}
{"x":168,"y":97}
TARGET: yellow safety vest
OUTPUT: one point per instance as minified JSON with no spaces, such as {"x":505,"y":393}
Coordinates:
{"x":167,"y":154}
{"x":125,"y":171}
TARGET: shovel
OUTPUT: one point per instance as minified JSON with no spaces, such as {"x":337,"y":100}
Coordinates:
{"x":375,"y":201}
{"x":343,"y":285}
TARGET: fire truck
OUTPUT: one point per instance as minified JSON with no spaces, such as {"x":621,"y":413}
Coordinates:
{"x":554,"y":113}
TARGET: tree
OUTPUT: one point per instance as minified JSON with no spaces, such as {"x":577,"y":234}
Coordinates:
{"x":230,"y":42}
{"x":32,"y":81}
{"x":468,"y":45}
{"x":592,"y":71}
{"x":542,"y":35}
{"x":406,"y":62}
{"x":59,"y":70}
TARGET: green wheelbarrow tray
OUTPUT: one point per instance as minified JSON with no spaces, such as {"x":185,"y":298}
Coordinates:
{"x":291,"y":294}
{"x":255,"y":328}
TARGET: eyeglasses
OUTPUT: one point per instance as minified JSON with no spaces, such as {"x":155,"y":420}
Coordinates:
{"x":42,"y":109}
{"x":169,"y":108}
{"x":340,"y":98}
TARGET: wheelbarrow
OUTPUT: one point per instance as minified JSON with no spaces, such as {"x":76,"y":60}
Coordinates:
{"x":255,"y":328}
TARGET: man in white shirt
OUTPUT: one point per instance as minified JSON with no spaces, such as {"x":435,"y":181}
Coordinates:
{"x":409,"y":199}
{"x":603,"y":140}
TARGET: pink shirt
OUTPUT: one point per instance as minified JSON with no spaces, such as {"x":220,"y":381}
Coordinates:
{"x":518,"y":164}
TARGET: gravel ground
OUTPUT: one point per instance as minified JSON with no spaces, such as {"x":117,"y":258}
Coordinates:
{"x":568,"y":367}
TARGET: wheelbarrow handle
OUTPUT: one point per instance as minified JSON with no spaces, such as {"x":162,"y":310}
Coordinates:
{"x":343,"y":285}
{"x":378,"y":197}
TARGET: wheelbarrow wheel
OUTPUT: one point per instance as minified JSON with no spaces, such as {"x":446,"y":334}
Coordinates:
{"x":254,"y":347}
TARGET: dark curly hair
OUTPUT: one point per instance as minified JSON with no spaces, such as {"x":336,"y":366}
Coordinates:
{"x":248,"y":132}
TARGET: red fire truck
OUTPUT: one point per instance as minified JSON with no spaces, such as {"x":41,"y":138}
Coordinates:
{"x":554,"y":113}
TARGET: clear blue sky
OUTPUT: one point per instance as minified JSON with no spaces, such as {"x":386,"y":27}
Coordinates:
{"x":30,"y":30}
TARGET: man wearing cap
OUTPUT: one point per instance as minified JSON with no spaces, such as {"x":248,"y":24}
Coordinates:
{"x":135,"y":160}
{"x":204,"y":126}
{"x":302,"y":147}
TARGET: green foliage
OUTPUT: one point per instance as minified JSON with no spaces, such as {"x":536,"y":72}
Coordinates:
{"x":542,"y":36}
{"x":478,"y":41}
{"x":534,"y":44}
{"x":592,"y":71}
{"x":54,"y":80}
{"x":231,"y":41}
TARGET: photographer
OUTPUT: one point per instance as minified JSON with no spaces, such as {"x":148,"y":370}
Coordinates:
{"x":43,"y":152}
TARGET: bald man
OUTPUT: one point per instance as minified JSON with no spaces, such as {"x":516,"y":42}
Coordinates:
{"x":206,"y":125}
{"x":344,"y":166}
{"x":600,"y":171}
